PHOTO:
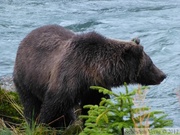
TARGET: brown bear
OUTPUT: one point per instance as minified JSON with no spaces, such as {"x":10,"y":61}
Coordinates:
{"x":55,"y":68}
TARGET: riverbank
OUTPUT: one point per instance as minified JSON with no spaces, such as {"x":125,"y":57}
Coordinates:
{"x":6,"y":82}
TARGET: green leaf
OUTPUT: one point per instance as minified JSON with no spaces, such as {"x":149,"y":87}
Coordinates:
{"x":102,"y":115}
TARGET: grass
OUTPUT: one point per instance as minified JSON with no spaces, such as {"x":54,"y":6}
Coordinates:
{"x":12,"y":120}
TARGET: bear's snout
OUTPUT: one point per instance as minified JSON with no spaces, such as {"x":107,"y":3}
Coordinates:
{"x":162,"y":77}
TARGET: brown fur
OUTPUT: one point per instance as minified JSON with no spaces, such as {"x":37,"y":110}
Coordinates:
{"x":54,"y":69}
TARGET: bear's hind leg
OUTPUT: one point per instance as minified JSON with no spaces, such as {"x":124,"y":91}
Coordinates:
{"x":32,"y":109}
{"x":57,"y":111}
{"x":31,"y":104}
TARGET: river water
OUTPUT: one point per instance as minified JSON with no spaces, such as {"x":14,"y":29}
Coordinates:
{"x":155,"y":22}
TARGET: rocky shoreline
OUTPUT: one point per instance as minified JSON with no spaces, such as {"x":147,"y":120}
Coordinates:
{"x":6,"y":82}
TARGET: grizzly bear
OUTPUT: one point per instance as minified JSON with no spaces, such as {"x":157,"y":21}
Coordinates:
{"x":55,"y":68}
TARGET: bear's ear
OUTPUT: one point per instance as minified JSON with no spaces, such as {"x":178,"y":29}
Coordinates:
{"x":136,"y":50}
{"x":136,"y":40}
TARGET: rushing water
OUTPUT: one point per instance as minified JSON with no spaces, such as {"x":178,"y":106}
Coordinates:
{"x":155,"y":22}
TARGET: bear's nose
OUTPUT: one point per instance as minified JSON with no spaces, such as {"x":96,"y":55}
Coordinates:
{"x":163,"y":76}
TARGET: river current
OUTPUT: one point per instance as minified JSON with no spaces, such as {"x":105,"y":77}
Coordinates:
{"x":155,"y":22}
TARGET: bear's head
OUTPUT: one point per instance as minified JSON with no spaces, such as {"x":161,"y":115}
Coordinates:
{"x":147,"y":73}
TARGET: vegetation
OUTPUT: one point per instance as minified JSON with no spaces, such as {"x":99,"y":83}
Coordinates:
{"x":126,"y":110}
{"x":112,"y":116}
{"x":10,"y":107}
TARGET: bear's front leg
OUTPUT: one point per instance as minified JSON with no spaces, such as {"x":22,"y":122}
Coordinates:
{"x":57,"y":110}
{"x":91,"y":97}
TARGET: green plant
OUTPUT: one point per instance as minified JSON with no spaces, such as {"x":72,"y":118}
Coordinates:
{"x":10,"y":107}
{"x":111,"y":116}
